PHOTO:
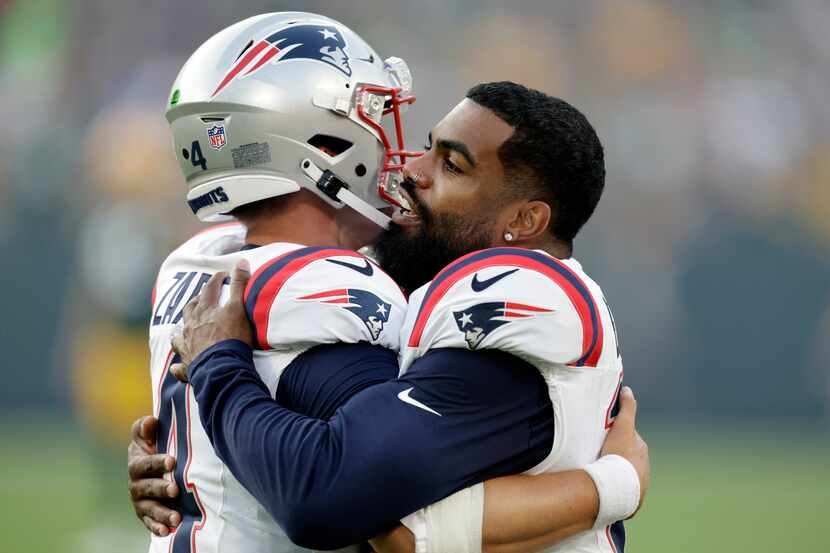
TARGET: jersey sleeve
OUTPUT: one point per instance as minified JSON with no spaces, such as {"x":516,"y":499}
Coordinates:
{"x":520,"y":301}
{"x":320,"y":380}
{"x":461,"y":418}
{"x":313,"y":296}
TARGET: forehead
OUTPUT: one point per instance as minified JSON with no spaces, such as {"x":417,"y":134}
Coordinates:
{"x":479,"y":128}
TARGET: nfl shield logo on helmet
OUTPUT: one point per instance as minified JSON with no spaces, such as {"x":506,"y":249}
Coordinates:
{"x":216,"y":136}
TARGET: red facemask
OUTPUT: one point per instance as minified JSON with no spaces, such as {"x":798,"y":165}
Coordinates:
{"x":374,"y":102}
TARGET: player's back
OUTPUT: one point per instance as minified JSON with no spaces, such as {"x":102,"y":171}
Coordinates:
{"x":550,"y":313}
{"x":298,"y":298}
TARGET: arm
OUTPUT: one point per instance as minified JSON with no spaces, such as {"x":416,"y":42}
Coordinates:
{"x":527,"y":513}
{"x":390,"y":450}
{"x":226,"y":317}
{"x":520,"y":513}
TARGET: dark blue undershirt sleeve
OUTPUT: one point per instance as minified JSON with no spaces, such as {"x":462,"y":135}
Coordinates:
{"x":320,"y":380}
{"x":457,"y":418}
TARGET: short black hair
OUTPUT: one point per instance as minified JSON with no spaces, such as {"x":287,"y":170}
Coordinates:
{"x":554,"y":154}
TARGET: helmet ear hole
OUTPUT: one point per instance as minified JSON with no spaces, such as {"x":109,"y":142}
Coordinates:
{"x":329,"y":145}
{"x":360,"y":170}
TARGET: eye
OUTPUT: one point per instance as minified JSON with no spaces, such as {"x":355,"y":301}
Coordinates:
{"x":451,"y":167}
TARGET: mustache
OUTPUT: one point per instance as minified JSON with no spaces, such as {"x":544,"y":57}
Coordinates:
{"x":417,"y":205}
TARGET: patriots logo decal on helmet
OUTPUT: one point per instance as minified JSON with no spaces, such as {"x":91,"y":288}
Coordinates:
{"x":368,"y":307}
{"x":478,"y":321}
{"x":323,"y":43}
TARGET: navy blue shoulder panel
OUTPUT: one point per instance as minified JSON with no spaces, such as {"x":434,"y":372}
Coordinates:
{"x":320,"y":380}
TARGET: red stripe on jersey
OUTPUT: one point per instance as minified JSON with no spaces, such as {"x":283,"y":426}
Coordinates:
{"x":516,"y":314}
{"x":610,"y":541}
{"x":191,"y":486}
{"x":268,"y":293}
{"x":608,"y":422}
{"x":523,"y":307}
{"x":582,"y":307}
{"x":161,"y":381}
{"x":328,"y":294}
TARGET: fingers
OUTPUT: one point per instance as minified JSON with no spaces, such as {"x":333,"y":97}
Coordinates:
{"x":148,"y":428}
{"x":177,"y":342}
{"x":190,"y":306}
{"x":155,"y":527}
{"x":239,"y":280}
{"x":628,"y":407}
{"x":156,"y":517}
{"x":150,"y":466}
{"x":144,"y":429}
{"x":143,"y":437}
{"x":179,"y":370}
{"x":210,"y":292}
{"x":152,"y":488}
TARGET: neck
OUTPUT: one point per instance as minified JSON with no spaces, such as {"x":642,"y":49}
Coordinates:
{"x":301,"y":219}
{"x":556,"y":248}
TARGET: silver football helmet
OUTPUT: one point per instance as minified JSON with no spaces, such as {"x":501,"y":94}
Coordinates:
{"x":252,"y":105}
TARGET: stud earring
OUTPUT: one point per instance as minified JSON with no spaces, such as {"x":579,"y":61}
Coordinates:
{"x":508,"y":236}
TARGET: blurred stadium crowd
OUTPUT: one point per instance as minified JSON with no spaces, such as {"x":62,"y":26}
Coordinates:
{"x":712,"y":241}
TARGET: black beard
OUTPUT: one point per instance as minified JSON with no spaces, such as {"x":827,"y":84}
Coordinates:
{"x":414,"y":260}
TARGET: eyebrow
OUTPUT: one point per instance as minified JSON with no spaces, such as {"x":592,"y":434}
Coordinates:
{"x":459,"y":147}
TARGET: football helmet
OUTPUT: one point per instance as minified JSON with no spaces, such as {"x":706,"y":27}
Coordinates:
{"x":252,"y":106}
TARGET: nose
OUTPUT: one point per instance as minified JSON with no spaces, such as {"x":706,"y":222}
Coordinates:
{"x":414,"y":170}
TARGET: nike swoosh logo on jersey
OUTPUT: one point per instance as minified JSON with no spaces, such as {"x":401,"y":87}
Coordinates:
{"x":481,"y":285}
{"x":406,"y":398}
{"x":364,"y":269}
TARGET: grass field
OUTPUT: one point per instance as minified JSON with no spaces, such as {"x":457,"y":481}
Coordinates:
{"x":719,"y":488}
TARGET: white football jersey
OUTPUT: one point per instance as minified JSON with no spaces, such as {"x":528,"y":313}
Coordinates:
{"x":548,"y":312}
{"x":299,"y":297}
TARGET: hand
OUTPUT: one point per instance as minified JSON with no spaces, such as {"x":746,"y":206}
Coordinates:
{"x":207,"y":323}
{"x":147,"y":485}
{"x":623,"y":440}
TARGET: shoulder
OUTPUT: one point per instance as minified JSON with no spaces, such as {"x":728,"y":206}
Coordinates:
{"x":321,"y":293}
{"x":199,"y":255}
{"x":211,"y":240}
{"x":522,"y":301}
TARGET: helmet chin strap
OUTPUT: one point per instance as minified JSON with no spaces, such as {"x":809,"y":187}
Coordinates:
{"x":337,"y":190}
{"x":372,"y":213}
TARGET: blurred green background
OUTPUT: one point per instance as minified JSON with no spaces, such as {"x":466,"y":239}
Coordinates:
{"x":715,"y":487}
{"x":712,"y":241}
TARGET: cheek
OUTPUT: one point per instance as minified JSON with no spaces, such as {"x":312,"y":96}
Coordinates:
{"x":451,"y":196}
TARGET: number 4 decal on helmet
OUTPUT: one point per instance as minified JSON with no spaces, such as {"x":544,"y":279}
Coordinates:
{"x":195,"y":155}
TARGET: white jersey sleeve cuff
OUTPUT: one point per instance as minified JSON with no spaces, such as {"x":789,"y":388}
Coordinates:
{"x":618,"y":486}
{"x":452,"y":524}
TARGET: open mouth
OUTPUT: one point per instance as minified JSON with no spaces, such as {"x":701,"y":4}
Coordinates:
{"x":406,"y":216}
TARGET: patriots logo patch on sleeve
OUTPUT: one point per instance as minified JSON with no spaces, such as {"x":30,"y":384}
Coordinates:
{"x":322,"y":43}
{"x":366,"y":306}
{"x":479,"y":320}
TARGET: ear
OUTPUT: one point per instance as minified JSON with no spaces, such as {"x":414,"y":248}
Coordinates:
{"x":528,"y":221}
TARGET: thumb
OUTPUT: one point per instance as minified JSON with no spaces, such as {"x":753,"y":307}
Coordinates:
{"x":149,"y":426}
{"x":239,"y":280}
{"x":628,"y":407}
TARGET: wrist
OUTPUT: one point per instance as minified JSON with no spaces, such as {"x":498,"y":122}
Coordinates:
{"x":618,"y":487}
{"x":233,"y":347}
